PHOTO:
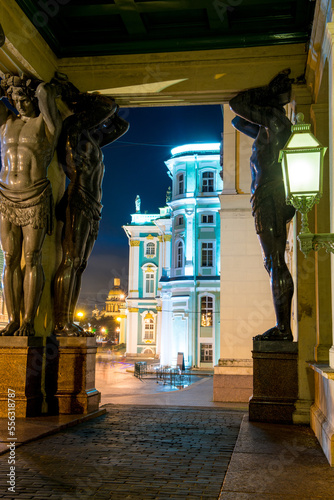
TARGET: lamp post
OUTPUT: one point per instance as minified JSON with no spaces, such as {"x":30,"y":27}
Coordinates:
{"x":302,"y":161}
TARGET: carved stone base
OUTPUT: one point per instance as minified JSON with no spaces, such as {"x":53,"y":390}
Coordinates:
{"x":21,"y":361}
{"x":275,"y":381}
{"x":233,"y":380}
{"x":76,"y":391}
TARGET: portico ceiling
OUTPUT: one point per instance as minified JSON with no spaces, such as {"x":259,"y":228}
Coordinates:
{"x":157,"y":52}
{"x":86,"y":28}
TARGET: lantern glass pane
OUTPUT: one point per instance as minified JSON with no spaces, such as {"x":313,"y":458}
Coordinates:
{"x":303,"y":140}
{"x":303,"y":170}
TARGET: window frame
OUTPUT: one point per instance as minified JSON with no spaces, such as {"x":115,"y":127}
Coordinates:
{"x":149,"y":270}
{"x":179,"y":244}
{"x":208,"y":251}
{"x":150,"y":244}
{"x":206,"y":311}
{"x":207,"y":222}
{"x":149,"y":323}
{"x":205,"y":182}
{"x":179,"y":182}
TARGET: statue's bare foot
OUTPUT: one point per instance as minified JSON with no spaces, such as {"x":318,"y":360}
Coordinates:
{"x":10,"y":329}
{"x":27,"y":330}
{"x":71,"y":330}
{"x":275,"y":334}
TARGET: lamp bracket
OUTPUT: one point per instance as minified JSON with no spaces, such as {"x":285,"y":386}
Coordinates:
{"x":310,"y":241}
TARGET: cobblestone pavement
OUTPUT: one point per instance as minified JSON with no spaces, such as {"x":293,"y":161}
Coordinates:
{"x":132,"y":452}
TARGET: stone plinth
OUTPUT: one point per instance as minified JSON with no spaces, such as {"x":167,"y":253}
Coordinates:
{"x":21,"y":361}
{"x":76,"y":391}
{"x":233,"y":380}
{"x":275,"y":381}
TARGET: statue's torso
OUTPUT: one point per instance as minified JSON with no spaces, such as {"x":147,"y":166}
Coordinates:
{"x":26,"y":152}
{"x":85,"y":163}
{"x":264,"y":163}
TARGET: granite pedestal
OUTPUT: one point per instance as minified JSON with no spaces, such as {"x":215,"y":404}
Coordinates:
{"x":21,"y":361}
{"x":275,"y":381}
{"x":75,"y":392}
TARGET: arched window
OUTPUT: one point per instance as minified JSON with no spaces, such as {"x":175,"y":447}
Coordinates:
{"x":180,"y":184}
{"x":206,"y":310}
{"x":150,"y":248}
{"x":207,"y":182}
{"x":179,"y":254}
{"x":149,"y":280}
{"x":148,"y":327}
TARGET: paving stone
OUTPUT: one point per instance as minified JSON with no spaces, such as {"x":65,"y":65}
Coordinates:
{"x":131,"y":453}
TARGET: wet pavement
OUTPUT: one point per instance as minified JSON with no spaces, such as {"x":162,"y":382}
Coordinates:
{"x":155,"y":444}
{"x":132,"y":452}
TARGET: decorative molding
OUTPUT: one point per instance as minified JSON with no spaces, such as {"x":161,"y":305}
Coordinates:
{"x":149,"y":237}
{"x":160,"y":238}
{"x":134,"y":243}
{"x":134,"y":291}
{"x":168,"y":237}
{"x":133,"y":309}
{"x":159,"y":308}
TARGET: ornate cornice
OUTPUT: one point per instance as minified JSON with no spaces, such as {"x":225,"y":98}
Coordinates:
{"x":134,"y":243}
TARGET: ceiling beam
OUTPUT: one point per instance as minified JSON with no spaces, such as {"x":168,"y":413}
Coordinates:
{"x":131,"y":17}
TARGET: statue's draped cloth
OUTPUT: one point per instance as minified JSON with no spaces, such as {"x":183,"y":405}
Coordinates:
{"x":82,"y":201}
{"x":30,"y":206}
{"x":269,"y":208}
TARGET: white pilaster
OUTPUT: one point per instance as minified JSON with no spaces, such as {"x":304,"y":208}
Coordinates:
{"x":134,"y":268}
{"x":189,"y":243}
{"x":166,"y":328}
{"x":132,"y":331}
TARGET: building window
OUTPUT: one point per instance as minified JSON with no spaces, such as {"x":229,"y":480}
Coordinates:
{"x":206,"y":353}
{"x":148,"y":328}
{"x":179,"y":254}
{"x":207,"y":182}
{"x":180,"y":220}
{"x":207,"y":254}
{"x":149,"y":283}
{"x":180,"y":184}
{"x":150,"y":249}
{"x":207,"y":219}
{"x":206,"y":311}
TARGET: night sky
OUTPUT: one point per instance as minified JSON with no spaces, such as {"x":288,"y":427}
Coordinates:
{"x":135,"y":165}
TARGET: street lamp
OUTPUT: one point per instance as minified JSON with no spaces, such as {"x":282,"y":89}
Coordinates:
{"x":302,"y":161}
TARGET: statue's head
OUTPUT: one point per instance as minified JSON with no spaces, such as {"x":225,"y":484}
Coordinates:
{"x":21,"y":93}
{"x":23,"y":102}
{"x":280,"y":87}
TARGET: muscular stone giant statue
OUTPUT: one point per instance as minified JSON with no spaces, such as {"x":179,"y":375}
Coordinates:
{"x":261,"y":115}
{"x":94,"y":124}
{"x":28,"y":141}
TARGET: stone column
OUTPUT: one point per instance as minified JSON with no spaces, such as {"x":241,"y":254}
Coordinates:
{"x":304,"y":293}
{"x":167,"y":260}
{"x":330,"y":47}
{"x":158,"y":328}
{"x":132,"y":331}
{"x":229,"y":150}
{"x":319,"y":118}
{"x":166,"y":328}
{"x":189,"y":243}
{"x":134,"y":268}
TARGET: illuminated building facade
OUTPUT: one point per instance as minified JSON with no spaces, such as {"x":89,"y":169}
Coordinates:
{"x":150,"y":240}
{"x":174,"y":265}
{"x":189,"y":295}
